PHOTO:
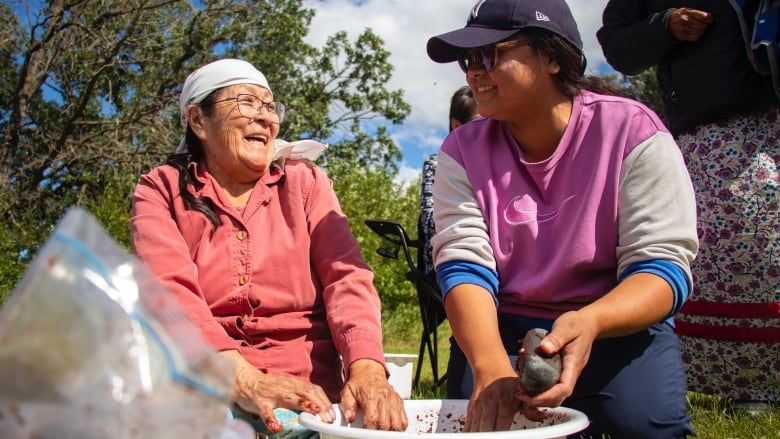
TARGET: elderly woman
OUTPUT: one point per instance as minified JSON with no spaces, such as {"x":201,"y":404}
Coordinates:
{"x":261,"y":258}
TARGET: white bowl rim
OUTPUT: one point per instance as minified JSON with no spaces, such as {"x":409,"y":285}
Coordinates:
{"x":577,"y":422}
{"x":392,"y":355}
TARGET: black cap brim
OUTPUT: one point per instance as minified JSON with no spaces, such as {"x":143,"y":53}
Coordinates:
{"x":444,"y":48}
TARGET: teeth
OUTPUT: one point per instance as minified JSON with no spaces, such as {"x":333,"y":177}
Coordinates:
{"x":484,"y":88}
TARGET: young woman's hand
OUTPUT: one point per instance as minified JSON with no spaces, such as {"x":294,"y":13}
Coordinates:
{"x":572,"y":336}
{"x":493,"y":405}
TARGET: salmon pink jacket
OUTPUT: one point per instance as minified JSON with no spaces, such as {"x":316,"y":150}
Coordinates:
{"x":281,"y":280}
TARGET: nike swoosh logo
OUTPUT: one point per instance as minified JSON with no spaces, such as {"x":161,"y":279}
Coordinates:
{"x":514,"y":215}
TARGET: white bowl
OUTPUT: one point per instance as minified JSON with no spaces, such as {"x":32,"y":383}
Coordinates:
{"x":445,"y":419}
{"x":401,"y":367}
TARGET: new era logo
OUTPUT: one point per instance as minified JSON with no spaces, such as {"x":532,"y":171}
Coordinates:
{"x":541,"y":17}
{"x":475,"y":10}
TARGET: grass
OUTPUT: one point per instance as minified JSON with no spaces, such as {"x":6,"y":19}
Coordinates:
{"x":713,"y":417}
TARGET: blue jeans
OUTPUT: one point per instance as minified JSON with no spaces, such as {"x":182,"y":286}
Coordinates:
{"x":632,"y":387}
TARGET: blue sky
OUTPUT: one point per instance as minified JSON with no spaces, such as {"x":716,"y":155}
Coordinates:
{"x":406,"y":26}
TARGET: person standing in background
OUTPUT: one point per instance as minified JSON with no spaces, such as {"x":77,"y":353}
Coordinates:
{"x":463,"y":108}
{"x":725,"y":119}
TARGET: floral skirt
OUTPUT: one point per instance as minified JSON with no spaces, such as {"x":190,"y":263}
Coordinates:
{"x":730,"y":326}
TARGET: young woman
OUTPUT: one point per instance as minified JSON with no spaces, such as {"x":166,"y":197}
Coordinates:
{"x":565,"y":209}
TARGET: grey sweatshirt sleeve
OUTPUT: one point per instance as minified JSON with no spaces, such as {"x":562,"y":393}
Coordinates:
{"x":656,"y":208}
{"x":461,"y":231}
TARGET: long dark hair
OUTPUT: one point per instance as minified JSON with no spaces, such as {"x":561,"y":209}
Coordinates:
{"x":195,"y":154}
{"x":572,"y":63}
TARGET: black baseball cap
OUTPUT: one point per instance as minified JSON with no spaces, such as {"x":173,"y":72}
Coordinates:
{"x":491,"y":21}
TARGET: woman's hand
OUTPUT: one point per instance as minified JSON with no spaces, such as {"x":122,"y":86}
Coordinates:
{"x":635,"y":304}
{"x":686,"y":24}
{"x":367,"y":388}
{"x":493,"y":405}
{"x":260,"y":393}
{"x":572,"y":335}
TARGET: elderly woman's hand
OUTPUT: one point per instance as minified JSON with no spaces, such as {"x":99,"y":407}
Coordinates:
{"x":260,"y":393}
{"x":367,"y":388}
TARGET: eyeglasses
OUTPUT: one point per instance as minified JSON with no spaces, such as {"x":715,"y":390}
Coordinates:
{"x":250,"y":106}
{"x":486,"y":57}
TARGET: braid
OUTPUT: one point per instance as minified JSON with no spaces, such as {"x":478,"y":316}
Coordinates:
{"x":181,"y":162}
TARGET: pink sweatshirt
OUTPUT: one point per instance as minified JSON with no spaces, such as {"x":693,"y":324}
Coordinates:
{"x":561,"y":232}
{"x":281,"y":280}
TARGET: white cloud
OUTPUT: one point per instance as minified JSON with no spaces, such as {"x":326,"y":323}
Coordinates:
{"x":405,"y":26}
{"x":406,"y":175}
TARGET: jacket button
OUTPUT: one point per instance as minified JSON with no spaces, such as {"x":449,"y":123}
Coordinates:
{"x":241,"y":235}
{"x":243,"y":279}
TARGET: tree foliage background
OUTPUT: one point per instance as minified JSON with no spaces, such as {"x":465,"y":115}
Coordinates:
{"x":89,"y":101}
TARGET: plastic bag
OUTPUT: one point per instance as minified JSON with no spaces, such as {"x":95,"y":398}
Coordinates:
{"x":92,"y":346}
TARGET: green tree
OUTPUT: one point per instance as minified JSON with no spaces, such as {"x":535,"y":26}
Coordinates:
{"x":89,"y":100}
{"x":367,"y":193}
{"x":644,"y":88}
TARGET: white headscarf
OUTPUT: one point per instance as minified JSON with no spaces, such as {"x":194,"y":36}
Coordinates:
{"x":213,"y":76}
{"x":226,"y":72}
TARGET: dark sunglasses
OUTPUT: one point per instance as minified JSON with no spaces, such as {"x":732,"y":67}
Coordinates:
{"x":486,"y":57}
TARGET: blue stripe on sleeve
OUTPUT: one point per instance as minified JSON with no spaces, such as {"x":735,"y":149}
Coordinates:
{"x":672,"y":273}
{"x":454,"y":273}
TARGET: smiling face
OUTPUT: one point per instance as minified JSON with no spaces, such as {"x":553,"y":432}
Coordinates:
{"x":520,"y":82}
{"x":237,"y":149}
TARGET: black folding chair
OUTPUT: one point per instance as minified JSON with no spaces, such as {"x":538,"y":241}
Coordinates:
{"x":432,"y":313}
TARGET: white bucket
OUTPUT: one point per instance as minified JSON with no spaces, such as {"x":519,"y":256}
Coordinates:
{"x":445,"y":419}
{"x":401,"y":368}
